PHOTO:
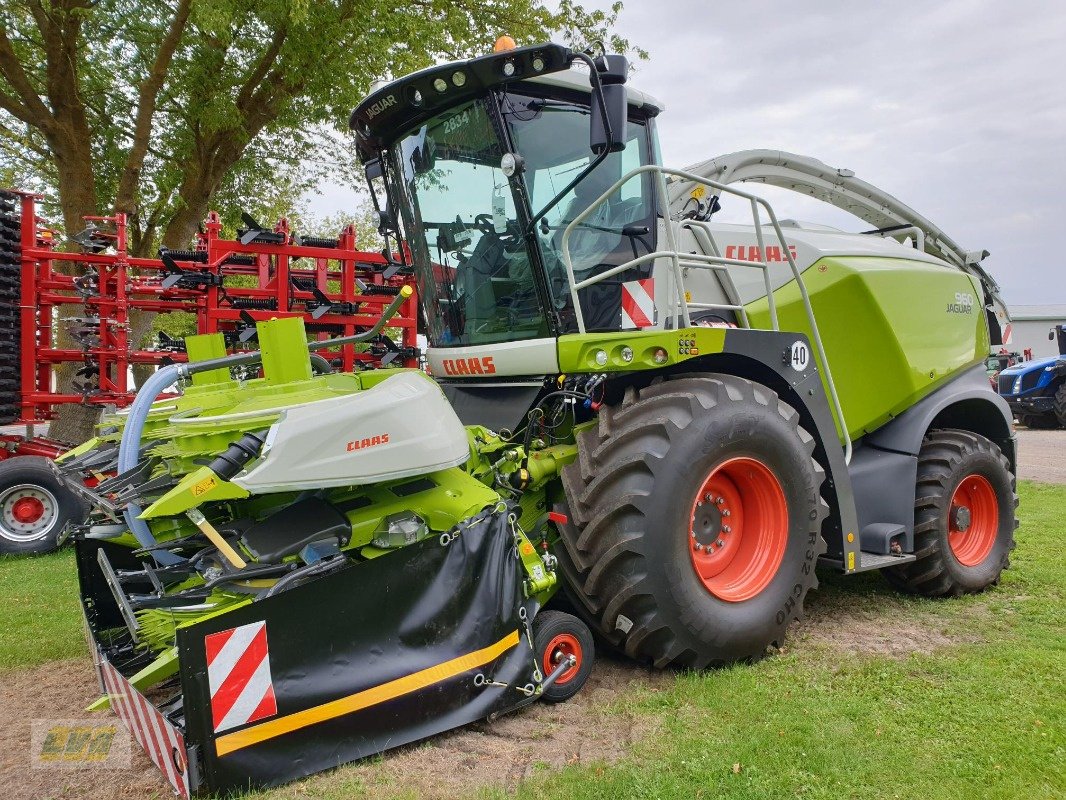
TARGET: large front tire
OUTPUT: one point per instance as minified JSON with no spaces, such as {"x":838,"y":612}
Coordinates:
{"x":695,"y":522}
{"x":964,"y":516}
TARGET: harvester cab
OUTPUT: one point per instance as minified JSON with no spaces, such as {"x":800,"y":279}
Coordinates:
{"x":673,"y":420}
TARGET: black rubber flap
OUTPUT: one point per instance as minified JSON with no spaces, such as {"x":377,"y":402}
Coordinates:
{"x":373,"y":656}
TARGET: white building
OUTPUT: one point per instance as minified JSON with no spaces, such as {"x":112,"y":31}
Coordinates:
{"x":1030,"y":328}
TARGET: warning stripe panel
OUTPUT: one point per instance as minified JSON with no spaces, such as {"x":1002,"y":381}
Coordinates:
{"x":163,"y":743}
{"x":238,"y":674}
{"x":638,"y":303}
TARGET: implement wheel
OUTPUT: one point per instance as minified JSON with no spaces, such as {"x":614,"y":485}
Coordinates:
{"x":557,"y":636}
{"x":695,"y":522}
{"x":34,"y":506}
{"x":964,"y":516}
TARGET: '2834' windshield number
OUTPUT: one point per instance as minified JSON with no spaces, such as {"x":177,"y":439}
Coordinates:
{"x":454,"y":123}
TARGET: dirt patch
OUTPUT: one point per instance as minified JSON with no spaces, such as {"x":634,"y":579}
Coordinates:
{"x":878,"y":622}
{"x":61,"y":690}
{"x":592,"y":727}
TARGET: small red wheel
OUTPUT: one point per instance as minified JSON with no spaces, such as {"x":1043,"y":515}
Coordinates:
{"x":738,"y":529}
{"x":558,"y":636}
{"x":973,"y":520}
{"x":561,"y":647}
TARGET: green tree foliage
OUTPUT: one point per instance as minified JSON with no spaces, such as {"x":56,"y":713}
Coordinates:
{"x":161,"y":108}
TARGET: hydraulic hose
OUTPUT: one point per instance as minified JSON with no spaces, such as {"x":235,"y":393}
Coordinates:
{"x":129,"y":449}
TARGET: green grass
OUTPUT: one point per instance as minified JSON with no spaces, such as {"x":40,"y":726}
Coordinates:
{"x":41,"y":620}
{"x":980,"y":716}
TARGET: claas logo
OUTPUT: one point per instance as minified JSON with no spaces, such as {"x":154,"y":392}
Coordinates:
{"x":469,"y":366}
{"x":369,"y":441}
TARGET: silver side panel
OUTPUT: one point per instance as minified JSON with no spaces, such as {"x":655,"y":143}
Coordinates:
{"x":402,"y":427}
{"x":529,"y":357}
{"x":840,"y":187}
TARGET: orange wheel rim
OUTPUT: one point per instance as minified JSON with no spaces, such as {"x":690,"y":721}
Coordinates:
{"x":738,"y":529}
{"x":973,"y":520}
{"x":560,"y":647}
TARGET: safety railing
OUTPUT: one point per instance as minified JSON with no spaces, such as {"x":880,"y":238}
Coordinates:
{"x":678,"y":305}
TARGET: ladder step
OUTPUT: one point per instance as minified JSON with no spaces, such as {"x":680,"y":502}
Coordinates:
{"x":868,"y":561}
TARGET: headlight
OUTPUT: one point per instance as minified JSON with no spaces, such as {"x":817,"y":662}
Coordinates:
{"x":510,"y":164}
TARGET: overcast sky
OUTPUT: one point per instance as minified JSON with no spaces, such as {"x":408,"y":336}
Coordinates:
{"x":957,"y":108}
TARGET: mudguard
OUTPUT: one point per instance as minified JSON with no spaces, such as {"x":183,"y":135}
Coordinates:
{"x":372,"y":656}
{"x":968,"y":403}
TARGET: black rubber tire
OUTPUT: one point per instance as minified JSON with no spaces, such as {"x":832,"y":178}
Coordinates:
{"x":549,"y":624}
{"x":1060,"y":405}
{"x":946,"y":458}
{"x":1039,"y":422}
{"x":34,"y":471}
{"x":624,"y":550}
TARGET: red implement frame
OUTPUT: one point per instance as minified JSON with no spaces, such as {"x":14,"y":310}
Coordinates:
{"x":110,"y":285}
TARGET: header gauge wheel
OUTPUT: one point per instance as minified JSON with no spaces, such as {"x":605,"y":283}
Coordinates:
{"x":558,"y":636}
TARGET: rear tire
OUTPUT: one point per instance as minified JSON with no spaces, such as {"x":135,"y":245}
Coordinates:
{"x":638,"y":507}
{"x":1039,"y":422}
{"x":1060,"y":405}
{"x":35,"y":506}
{"x":557,"y":635}
{"x":964,"y":517}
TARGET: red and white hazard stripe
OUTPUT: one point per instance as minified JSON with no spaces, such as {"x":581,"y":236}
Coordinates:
{"x":638,"y":303}
{"x":1008,"y":333}
{"x":238,"y":674}
{"x":160,"y":740}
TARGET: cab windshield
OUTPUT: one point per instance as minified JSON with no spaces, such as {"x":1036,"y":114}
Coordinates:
{"x":474,"y":271}
{"x":462,"y":221}
{"x":552,"y":137}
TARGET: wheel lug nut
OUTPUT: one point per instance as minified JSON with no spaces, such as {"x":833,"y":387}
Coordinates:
{"x":726,"y":529}
{"x":720,"y":500}
{"x":720,"y":543}
{"x":725,"y":512}
{"x":699,"y":546}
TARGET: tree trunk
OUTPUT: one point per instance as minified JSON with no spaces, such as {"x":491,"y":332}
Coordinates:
{"x":72,"y":424}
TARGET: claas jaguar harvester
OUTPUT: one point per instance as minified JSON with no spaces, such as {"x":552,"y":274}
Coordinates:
{"x":642,"y":424}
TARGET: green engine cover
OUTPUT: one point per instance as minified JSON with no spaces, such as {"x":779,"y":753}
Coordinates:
{"x":893,"y":330}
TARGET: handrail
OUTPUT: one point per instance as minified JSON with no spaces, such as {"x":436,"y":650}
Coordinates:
{"x":704,"y":261}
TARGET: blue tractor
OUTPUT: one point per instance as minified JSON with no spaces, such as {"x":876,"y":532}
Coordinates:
{"x":1036,"y":390}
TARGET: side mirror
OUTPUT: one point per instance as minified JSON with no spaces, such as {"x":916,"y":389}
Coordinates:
{"x":610,"y":134}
